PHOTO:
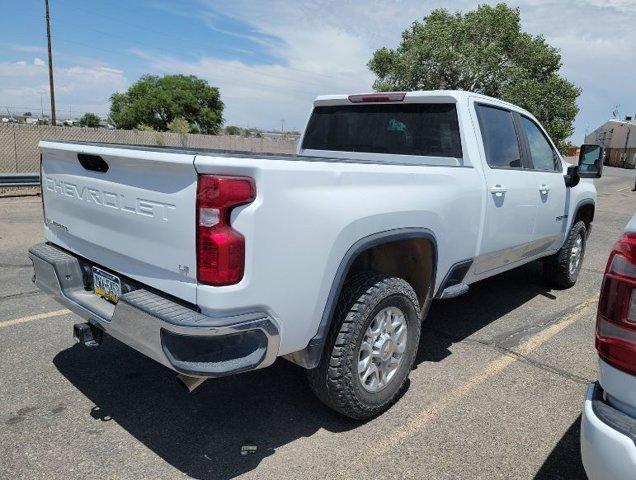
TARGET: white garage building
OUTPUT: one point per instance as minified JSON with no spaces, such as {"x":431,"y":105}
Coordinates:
{"x":618,"y":138}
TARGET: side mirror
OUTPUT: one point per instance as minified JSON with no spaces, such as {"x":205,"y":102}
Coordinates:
{"x":572,"y":177}
{"x":591,"y":161}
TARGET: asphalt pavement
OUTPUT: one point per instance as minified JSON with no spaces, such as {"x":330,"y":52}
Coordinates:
{"x":497,"y":391}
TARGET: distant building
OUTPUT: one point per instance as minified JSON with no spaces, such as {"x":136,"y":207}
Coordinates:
{"x":618,"y":138}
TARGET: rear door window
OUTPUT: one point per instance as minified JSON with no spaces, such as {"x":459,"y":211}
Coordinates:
{"x":543,"y":156}
{"x":501,"y":143}
{"x":422,"y":129}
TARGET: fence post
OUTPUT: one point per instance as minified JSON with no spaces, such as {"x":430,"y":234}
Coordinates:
{"x":15,"y":149}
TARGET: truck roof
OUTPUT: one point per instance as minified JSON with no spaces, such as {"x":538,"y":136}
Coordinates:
{"x":417,"y":96}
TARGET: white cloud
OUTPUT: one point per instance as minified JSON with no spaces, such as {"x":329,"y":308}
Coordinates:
{"x":82,"y":88}
{"x":23,"y":48}
{"x":597,"y":49}
{"x":317,"y":59}
{"x":628,"y":6}
{"x":325,"y":45}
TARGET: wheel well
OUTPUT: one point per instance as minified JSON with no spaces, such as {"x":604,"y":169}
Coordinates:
{"x":586,"y":214}
{"x":412,"y":259}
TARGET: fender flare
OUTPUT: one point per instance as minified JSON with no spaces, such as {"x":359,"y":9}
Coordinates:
{"x":579,"y":204}
{"x":310,"y":356}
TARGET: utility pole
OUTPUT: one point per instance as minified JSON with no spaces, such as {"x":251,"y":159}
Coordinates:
{"x":48,"y":38}
{"x":282,"y":125}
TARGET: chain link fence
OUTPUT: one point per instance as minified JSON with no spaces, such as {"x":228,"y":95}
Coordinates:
{"x":19,"y":143}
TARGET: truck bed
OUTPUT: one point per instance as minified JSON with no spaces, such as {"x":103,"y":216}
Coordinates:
{"x":199,"y":151}
{"x":370,"y":158}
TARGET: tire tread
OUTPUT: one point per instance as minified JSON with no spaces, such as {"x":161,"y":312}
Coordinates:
{"x":556,"y":269}
{"x":331,"y":380}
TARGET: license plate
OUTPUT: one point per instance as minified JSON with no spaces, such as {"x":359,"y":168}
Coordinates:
{"x":106,"y":285}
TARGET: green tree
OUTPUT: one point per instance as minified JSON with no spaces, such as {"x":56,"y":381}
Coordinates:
{"x":252,"y":132}
{"x":483,"y":51}
{"x":232,"y":130}
{"x":179,"y":125}
{"x":157,"y":101}
{"x":89,"y":120}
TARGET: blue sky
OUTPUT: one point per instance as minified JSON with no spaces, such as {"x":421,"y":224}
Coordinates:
{"x":271,"y":58}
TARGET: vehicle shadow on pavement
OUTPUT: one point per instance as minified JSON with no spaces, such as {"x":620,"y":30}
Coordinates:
{"x":451,"y":321}
{"x":564,"y":462}
{"x":201,"y":434}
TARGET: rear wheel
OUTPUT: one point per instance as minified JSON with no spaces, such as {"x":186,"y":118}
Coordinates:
{"x":371,"y":348}
{"x":563,"y":268}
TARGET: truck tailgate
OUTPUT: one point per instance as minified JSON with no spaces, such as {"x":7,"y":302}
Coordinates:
{"x":136,"y":219}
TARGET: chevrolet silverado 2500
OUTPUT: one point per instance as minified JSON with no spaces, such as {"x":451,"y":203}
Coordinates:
{"x":218,"y":262}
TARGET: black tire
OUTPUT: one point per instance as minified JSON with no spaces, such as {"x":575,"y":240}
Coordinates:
{"x":556,"y":269}
{"x":335,"y":380}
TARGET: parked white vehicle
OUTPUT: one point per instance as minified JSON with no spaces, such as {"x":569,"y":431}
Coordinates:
{"x":608,"y":424}
{"x":216,"y":262}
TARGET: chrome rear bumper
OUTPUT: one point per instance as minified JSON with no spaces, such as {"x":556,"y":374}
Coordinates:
{"x":174,"y":334}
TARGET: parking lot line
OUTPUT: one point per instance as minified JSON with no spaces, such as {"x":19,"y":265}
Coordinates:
{"x":30,"y":318}
{"x":543,"y":336}
{"x":422,"y":418}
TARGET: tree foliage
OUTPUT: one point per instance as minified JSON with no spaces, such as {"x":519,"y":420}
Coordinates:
{"x":232,"y":130}
{"x":253,"y":132}
{"x":157,"y":101}
{"x":89,"y":120}
{"x":483,"y":51}
{"x":179,"y":125}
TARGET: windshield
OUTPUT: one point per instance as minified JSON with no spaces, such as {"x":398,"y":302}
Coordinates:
{"x":422,"y":129}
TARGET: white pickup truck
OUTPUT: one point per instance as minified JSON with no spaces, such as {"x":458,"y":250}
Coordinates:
{"x":218,"y":262}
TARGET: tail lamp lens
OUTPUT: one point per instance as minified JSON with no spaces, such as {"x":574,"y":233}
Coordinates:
{"x":616,"y":319}
{"x":220,"y":248}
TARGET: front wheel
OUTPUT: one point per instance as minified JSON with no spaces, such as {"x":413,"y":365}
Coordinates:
{"x":563,"y":268}
{"x":372,"y":346}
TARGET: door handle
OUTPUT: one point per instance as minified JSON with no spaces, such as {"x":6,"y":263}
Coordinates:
{"x":498,"y":190}
{"x":544,"y":189}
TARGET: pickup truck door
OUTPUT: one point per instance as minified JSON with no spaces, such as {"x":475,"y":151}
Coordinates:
{"x":511,"y":191}
{"x":549,"y":230}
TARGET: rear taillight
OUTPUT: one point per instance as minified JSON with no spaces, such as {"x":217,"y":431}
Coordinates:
{"x":616,"y":319}
{"x":220,"y":248}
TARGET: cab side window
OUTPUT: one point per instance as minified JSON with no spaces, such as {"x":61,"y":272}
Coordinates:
{"x":500,"y":138}
{"x":543,"y":156}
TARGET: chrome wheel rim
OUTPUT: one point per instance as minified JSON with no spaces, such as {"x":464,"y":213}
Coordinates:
{"x":382,"y":349}
{"x":576,"y":254}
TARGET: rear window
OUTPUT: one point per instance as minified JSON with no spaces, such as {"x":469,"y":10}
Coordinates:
{"x":423,"y":129}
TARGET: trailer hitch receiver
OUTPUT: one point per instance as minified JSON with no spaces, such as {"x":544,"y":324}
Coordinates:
{"x":88,"y":334}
